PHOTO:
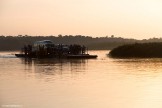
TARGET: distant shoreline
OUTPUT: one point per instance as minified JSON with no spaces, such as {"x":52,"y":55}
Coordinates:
{"x":15,"y":43}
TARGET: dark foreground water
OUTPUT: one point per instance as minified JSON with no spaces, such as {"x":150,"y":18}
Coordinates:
{"x":95,"y":83}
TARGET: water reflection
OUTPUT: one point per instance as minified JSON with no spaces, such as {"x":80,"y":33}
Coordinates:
{"x":148,"y":67}
{"x":137,"y":67}
{"x":51,"y":67}
{"x":100,"y":83}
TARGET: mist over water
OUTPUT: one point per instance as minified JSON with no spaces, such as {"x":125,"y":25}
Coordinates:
{"x":80,"y":83}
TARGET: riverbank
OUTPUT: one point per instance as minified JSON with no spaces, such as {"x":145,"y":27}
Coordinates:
{"x":138,"y":50}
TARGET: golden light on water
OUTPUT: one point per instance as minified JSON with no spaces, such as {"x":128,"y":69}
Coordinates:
{"x":102,"y":82}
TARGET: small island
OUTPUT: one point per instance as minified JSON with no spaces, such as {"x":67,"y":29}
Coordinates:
{"x":138,"y":50}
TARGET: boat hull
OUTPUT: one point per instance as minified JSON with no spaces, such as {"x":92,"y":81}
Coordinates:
{"x":81,"y":56}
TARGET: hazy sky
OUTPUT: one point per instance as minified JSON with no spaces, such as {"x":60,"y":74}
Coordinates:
{"x":126,"y":18}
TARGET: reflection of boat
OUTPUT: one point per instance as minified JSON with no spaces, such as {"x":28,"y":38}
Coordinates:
{"x":46,"y":49}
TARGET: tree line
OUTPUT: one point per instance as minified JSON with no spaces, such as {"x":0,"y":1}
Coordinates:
{"x":11,"y":43}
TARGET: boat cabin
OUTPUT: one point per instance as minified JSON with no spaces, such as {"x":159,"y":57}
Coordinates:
{"x":43,"y":44}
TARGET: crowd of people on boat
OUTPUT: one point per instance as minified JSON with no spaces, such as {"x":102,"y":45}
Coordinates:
{"x":54,"y":50}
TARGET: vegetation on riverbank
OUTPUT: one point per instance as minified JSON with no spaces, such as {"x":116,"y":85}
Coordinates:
{"x":138,"y":50}
{"x":11,"y":43}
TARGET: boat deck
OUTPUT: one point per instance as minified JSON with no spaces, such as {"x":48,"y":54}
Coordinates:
{"x":80,"y":56}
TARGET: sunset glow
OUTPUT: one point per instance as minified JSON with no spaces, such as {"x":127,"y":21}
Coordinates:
{"x":123,"y":18}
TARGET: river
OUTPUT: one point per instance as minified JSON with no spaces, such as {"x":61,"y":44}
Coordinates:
{"x":84,"y":83}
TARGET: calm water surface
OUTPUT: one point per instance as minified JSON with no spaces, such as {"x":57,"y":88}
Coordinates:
{"x":95,"y":83}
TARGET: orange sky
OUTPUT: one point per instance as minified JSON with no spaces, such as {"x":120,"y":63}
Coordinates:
{"x":125,"y":18}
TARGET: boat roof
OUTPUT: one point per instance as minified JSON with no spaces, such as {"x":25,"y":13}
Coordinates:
{"x":47,"y":41}
{"x":44,"y":42}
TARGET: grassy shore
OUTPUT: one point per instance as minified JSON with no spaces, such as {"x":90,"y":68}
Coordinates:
{"x":138,"y":50}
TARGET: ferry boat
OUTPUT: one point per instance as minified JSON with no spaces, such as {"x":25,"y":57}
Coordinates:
{"x":47,"y":49}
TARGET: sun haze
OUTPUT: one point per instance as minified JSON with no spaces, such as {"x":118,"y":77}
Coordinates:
{"x":125,"y":18}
